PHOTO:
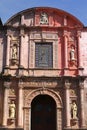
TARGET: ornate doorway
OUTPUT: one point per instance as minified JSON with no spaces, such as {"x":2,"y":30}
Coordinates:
{"x":43,"y":113}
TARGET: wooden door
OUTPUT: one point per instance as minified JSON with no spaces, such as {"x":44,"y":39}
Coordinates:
{"x":43,"y":113}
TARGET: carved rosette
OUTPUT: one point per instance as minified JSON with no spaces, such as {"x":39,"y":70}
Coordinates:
{"x":73,"y":93}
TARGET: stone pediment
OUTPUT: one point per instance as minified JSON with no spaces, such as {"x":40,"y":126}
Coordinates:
{"x":44,"y":16}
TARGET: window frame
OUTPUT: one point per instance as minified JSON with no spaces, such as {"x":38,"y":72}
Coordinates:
{"x":48,"y":58}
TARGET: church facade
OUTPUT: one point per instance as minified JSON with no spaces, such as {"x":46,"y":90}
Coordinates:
{"x":43,"y":71}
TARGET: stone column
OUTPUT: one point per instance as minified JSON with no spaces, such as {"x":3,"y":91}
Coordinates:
{"x":65,"y":53}
{"x":29,"y":118}
{"x":59,"y":118}
{"x":82,"y":116}
{"x":78,"y":40}
{"x":80,"y":68}
{"x":8,"y":50}
{"x":5,"y":105}
{"x":65,"y":20}
{"x":6,"y":68}
{"x":21,"y":62}
{"x":20,"y":104}
{"x":67,"y":101}
{"x":21,"y":46}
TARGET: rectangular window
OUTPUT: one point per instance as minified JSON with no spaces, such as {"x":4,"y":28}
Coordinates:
{"x":43,"y":55}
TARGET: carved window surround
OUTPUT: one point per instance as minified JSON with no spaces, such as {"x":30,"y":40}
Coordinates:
{"x":40,"y":38}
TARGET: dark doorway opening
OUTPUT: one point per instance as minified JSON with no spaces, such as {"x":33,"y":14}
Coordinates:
{"x":43,"y":113}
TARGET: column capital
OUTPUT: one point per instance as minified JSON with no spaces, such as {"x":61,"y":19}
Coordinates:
{"x":20,"y":84}
{"x":67,"y":84}
{"x":78,"y":34}
{"x":22,"y":32}
{"x":8,"y":35}
{"x":7,"y":84}
{"x":65,"y":33}
{"x":22,"y":35}
{"x":81,"y":84}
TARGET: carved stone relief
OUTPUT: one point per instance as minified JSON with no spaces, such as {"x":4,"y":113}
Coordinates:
{"x":72,"y":53}
{"x":42,"y":91}
{"x":41,"y":35}
{"x":14,"y":53}
{"x":55,"y":54}
{"x":32,"y":54}
{"x":11,"y":92}
{"x":73,"y":93}
{"x":38,"y":83}
{"x":49,"y":92}
{"x":72,"y":48}
{"x":43,"y":38}
{"x":44,"y":18}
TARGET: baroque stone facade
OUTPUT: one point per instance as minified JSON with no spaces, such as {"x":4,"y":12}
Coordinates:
{"x":43,"y":65}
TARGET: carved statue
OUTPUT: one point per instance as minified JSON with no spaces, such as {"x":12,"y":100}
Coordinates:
{"x":74,"y":110}
{"x":14,"y":52}
{"x":12,"y":109}
{"x":72,"y":53}
{"x":44,"y":18}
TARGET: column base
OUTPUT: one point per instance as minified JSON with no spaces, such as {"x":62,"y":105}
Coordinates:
{"x":66,"y":72}
{"x":74,"y":128}
{"x":6,"y":128}
{"x":80,"y":71}
{"x":6,"y":71}
{"x":21,"y":70}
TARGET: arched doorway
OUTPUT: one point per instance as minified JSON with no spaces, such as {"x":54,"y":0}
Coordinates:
{"x":43,"y":113}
